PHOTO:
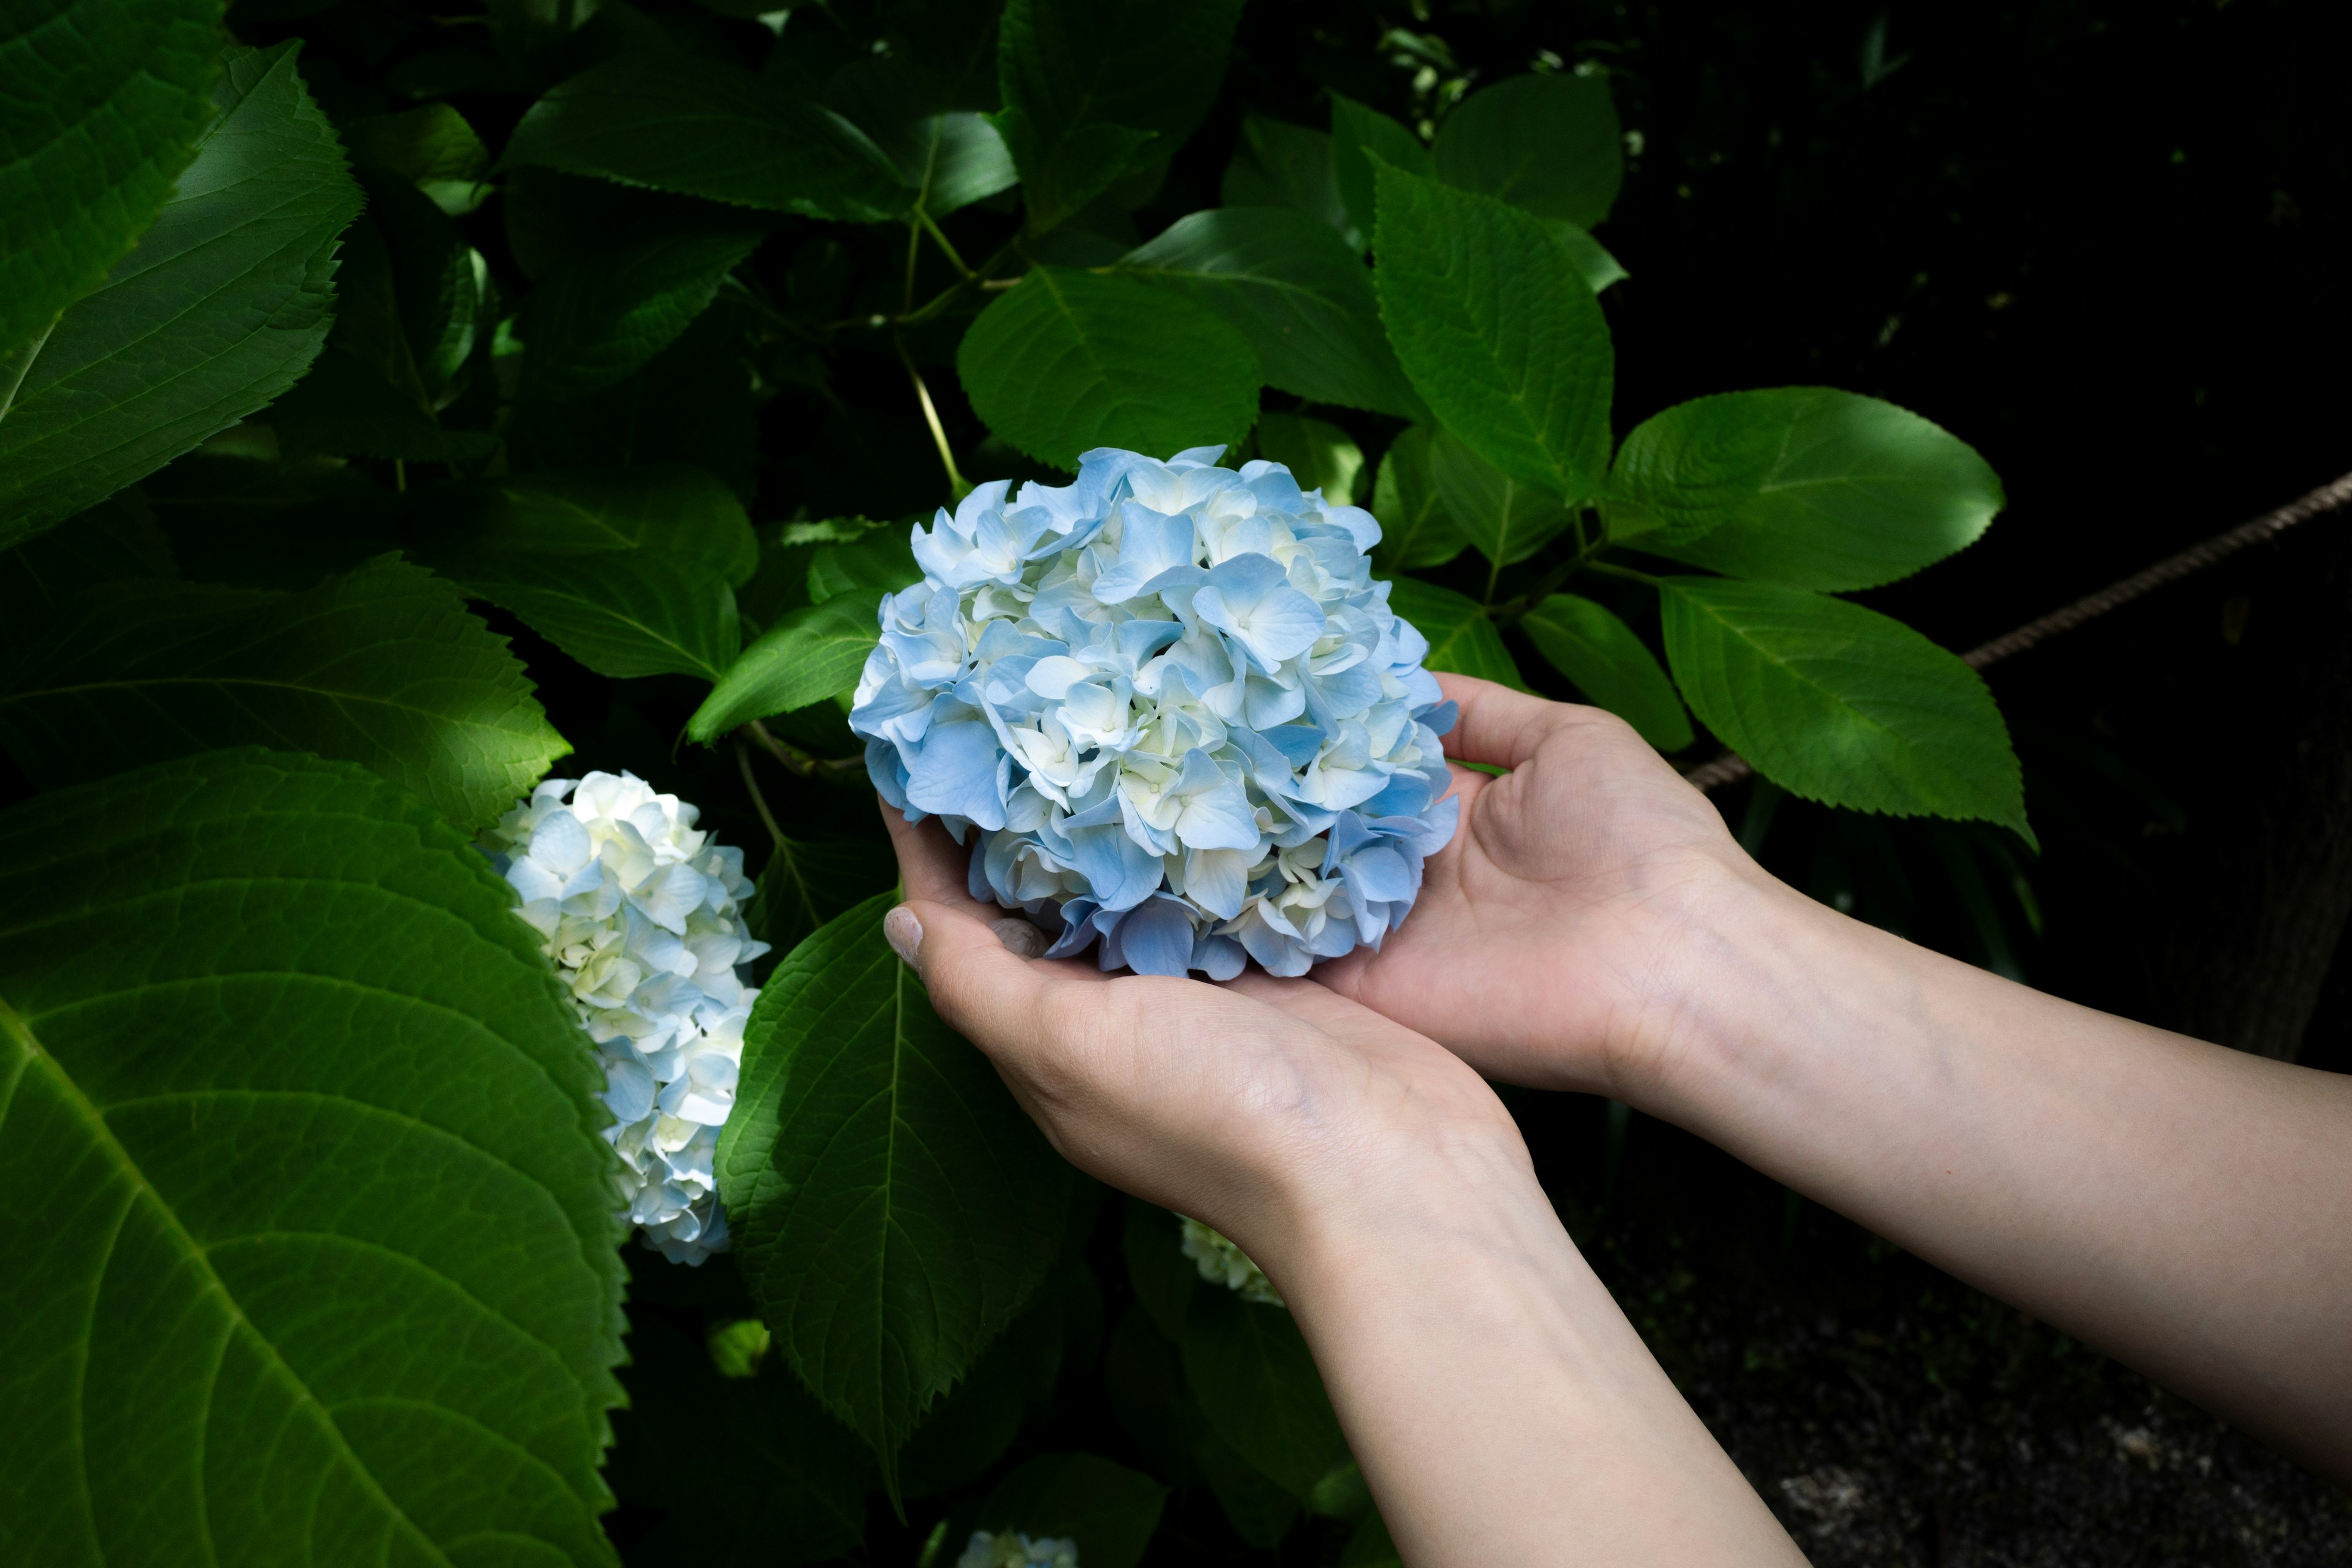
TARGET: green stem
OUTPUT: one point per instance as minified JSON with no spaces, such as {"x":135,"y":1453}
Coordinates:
{"x":958,"y":485}
{"x":1610,"y":569}
{"x":955,"y":258}
{"x":751,"y":786}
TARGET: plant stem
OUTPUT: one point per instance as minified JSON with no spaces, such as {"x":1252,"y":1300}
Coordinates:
{"x":958,"y":487}
{"x":751,"y":786}
{"x":1610,"y":569}
{"x":954,"y":258}
{"x":797,"y":760}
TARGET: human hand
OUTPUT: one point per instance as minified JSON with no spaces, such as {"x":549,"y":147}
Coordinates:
{"x":1265,"y":1107}
{"x":1562,"y":939}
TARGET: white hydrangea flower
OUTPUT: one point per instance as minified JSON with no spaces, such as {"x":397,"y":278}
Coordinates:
{"x":1012,"y":1551}
{"x":643,"y":916}
{"x":1221,"y":1262}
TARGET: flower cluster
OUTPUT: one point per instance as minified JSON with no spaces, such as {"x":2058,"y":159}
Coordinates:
{"x":642,"y":917}
{"x":1011,"y":1551}
{"x":1178,"y":707}
{"x":1222,"y":1263}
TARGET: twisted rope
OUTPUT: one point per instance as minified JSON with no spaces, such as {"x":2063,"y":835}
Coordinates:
{"x":1731,"y":767}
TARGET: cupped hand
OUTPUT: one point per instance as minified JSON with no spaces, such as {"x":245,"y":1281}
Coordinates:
{"x":1559,"y":938}
{"x":1262,"y":1107}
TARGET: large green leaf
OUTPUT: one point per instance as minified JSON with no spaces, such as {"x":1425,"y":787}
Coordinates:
{"x":1070,"y":361}
{"x":1357,"y":130}
{"x":328,"y":1270}
{"x":220,"y":309}
{"x":1277,"y":164}
{"x":814,"y":653}
{"x":1547,"y":142}
{"x":384,"y":666}
{"x":700,"y":128}
{"x":1095,"y":87}
{"x":1498,"y":331}
{"x":1841,"y":704}
{"x":101,"y":105}
{"x":1289,"y":282}
{"x":807,"y":882}
{"x":1803,"y":485}
{"x":1508,"y":521}
{"x":893,"y":1208}
{"x":1250,"y":1370}
{"x":598,"y":318}
{"x":1415,"y":528}
{"x":1107,"y":1510}
{"x":1614,"y":670}
{"x":630,"y":571}
{"x":1461,"y":635}
{"x":691,"y":404}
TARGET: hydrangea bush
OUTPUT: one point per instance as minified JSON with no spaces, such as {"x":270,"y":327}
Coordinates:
{"x":346,"y":489}
{"x":1177,"y":707}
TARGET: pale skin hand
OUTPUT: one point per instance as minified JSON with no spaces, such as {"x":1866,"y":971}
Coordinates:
{"x":1503,"y":1409}
{"x":2184,"y":1207}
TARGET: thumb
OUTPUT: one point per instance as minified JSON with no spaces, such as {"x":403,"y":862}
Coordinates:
{"x":978,"y":971}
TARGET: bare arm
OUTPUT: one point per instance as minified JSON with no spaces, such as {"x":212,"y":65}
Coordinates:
{"x":2185,"y":1207}
{"x":1503,"y":1409}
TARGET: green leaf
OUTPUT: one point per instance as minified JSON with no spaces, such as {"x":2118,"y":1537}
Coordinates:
{"x":1593,"y":264}
{"x":807,"y":882}
{"x":958,"y":159}
{"x":1319,"y":453}
{"x":1357,"y":130}
{"x":1841,"y":704}
{"x":1107,"y":1510}
{"x":769,"y":1477}
{"x":334,"y":1277}
{"x":814,"y":653}
{"x":682,"y":124}
{"x":1462,"y":638}
{"x":1803,"y":485}
{"x":597,"y":319}
{"x":1588,"y":643}
{"x":1290,"y":283}
{"x":879,"y":561}
{"x":1260,"y":1511}
{"x":384,"y":667}
{"x":1498,"y":332}
{"x":1279,"y":164}
{"x":1416,"y":530}
{"x":1506,"y":520}
{"x":112,"y":541}
{"x":220,"y":309}
{"x":1256,"y":1379}
{"x":1095,"y":87}
{"x":892,"y":1207}
{"x":630,"y":571}
{"x":101,"y":105}
{"x":431,"y":147}
{"x":1070,"y":361}
{"x":1548,"y":142}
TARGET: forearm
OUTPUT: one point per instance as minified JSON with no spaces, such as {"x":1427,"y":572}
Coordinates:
{"x":1503,"y":1409}
{"x":2186,"y":1208}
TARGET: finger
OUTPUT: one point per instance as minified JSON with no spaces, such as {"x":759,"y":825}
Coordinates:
{"x":987,"y":991}
{"x":930,"y":864}
{"x":1497,"y":726}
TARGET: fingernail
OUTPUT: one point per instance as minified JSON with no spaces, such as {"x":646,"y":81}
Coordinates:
{"x":1025,"y":940}
{"x":904,"y":933}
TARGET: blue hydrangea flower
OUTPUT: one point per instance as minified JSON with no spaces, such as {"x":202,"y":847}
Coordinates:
{"x":1176,"y":706}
